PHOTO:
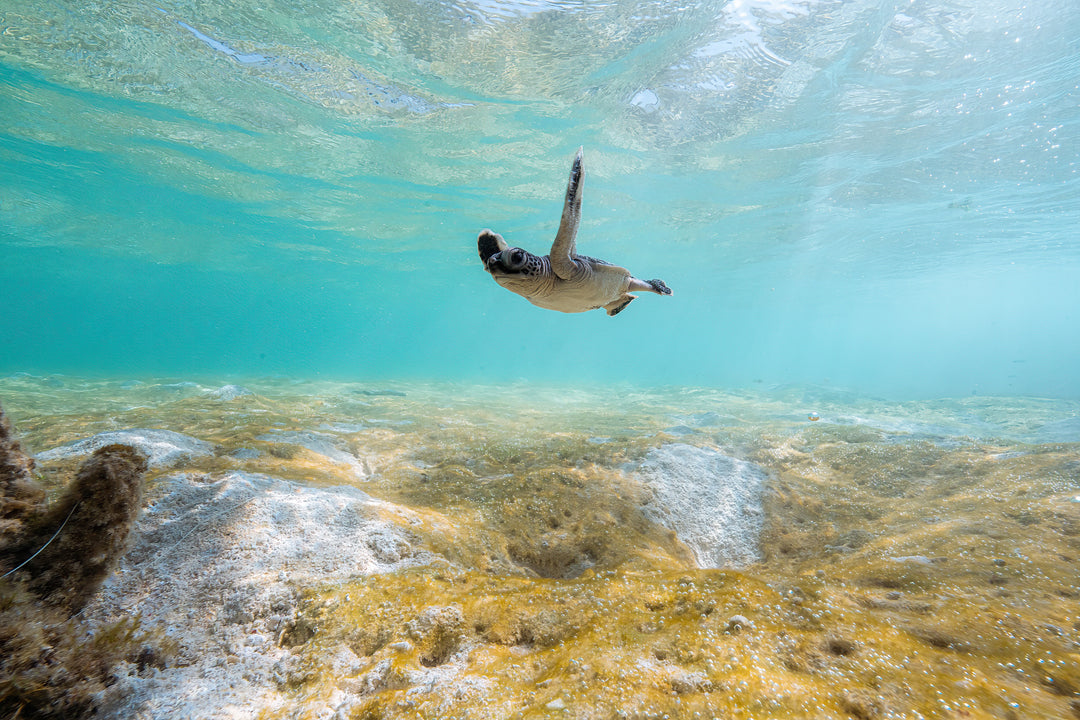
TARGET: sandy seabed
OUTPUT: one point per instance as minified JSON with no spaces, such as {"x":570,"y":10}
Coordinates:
{"x":347,"y":550}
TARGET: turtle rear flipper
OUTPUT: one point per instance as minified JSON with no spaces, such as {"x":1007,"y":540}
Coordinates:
{"x":659,"y":287}
{"x":619,"y":305}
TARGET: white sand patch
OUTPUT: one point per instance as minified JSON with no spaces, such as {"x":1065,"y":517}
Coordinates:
{"x":163,"y":448}
{"x":712,"y":501}
{"x":321,"y":444}
{"x":215,"y":565}
{"x":228,"y":392}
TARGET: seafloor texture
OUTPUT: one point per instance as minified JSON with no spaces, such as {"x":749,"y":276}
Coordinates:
{"x":335,"y":550}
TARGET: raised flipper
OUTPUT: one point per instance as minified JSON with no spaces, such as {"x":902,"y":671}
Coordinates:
{"x":489,"y":243}
{"x":564,"y":249}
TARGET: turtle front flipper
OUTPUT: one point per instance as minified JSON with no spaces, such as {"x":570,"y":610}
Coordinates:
{"x":564,"y":249}
{"x":489,"y":243}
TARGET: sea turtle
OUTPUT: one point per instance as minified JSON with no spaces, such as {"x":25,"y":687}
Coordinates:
{"x":563,"y":280}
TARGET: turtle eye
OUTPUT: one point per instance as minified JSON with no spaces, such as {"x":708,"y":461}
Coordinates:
{"x":516,"y":260}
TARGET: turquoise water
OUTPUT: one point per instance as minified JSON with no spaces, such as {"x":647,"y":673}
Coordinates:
{"x":241,"y":236}
{"x":868,"y":195}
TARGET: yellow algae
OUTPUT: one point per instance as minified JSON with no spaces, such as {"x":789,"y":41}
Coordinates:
{"x":878,"y":609}
{"x":620,"y":645}
{"x":911,"y":564}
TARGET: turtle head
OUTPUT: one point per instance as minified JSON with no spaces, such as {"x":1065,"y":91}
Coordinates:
{"x":513,"y":262}
{"x":501,"y":260}
{"x":509,"y":261}
{"x":514,"y":268}
{"x":489,"y":243}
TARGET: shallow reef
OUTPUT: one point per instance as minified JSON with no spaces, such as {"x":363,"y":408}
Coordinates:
{"x":346,"y":550}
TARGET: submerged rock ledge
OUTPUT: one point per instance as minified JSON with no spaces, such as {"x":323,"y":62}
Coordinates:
{"x":216,"y":566}
{"x":219,"y":567}
{"x":163,"y":448}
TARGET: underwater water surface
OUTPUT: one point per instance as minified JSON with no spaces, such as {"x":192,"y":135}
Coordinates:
{"x":835,"y":475}
{"x":872,"y":195}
